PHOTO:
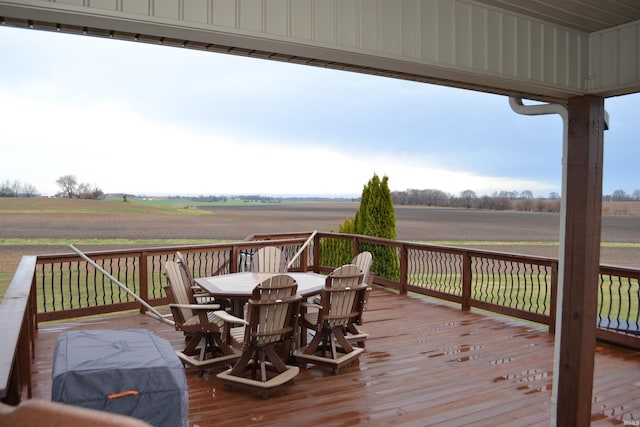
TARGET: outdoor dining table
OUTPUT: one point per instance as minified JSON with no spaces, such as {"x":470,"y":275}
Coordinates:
{"x":237,"y":287}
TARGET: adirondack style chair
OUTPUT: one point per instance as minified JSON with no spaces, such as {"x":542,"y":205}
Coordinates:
{"x":354,"y":333}
{"x":340,"y":301}
{"x":268,"y":331}
{"x":268,"y":260}
{"x":200,"y":295}
{"x":204,"y":345}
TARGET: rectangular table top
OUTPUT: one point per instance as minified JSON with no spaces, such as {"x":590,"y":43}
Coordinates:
{"x":242,"y":284}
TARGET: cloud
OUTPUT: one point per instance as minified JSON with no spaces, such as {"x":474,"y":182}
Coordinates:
{"x":140,"y":118}
{"x":121,"y":150}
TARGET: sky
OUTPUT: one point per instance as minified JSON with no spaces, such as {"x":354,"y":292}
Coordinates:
{"x":142,"y":119}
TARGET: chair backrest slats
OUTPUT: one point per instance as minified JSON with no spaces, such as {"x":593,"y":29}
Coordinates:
{"x":339,"y":296}
{"x":185,"y":269}
{"x":268,"y":260}
{"x":364,"y":260}
{"x":271,"y":310}
{"x":179,"y":291}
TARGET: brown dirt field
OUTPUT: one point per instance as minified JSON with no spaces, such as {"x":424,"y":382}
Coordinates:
{"x":235,"y":223}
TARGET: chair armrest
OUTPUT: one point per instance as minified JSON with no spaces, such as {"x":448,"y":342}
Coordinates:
{"x":229,"y":318}
{"x":204,"y":307}
{"x":311,"y":305}
{"x":198,"y":290}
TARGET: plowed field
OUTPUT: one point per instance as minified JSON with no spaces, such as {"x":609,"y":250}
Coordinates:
{"x":505,"y":231}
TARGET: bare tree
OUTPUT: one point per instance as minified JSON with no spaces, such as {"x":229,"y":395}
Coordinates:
{"x":16,"y":189}
{"x":88,"y":191}
{"x":6,"y":189}
{"x":619,"y":195}
{"x":67,"y":184}
{"x":29,"y":190}
{"x":526,"y":194}
{"x":468,"y":196}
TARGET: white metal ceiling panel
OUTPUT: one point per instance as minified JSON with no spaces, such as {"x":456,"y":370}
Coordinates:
{"x":542,"y":49}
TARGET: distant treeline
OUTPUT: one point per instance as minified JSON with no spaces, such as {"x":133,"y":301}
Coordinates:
{"x":503,"y":200}
{"x":207,"y":199}
{"x":17,"y":189}
{"x":256,"y":198}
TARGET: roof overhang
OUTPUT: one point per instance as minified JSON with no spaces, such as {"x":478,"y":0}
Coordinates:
{"x":536,"y":50}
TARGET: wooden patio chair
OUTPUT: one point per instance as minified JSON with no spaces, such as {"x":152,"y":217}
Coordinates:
{"x":204,"y":345}
{"x":340,"y":301}
{"x":199,"y":294}
{"x":268,"y":260}
{"x":364,"y":260}
{"x":269,"y":329}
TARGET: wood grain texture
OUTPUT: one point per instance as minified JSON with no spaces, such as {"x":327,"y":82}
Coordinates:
{"x":424,"y":364}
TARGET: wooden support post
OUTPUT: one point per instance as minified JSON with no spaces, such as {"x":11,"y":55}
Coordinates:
{"x":143,"y":266}
{"x":235,"y":257}
{"x":404,"y":269}
{"x":316,"y":253}
{"x":553,"y":309}
{"x":466,"y":281}
{"x":577,"y":292}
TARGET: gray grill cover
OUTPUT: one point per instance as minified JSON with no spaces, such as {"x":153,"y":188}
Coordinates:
{"x":88,"y":366}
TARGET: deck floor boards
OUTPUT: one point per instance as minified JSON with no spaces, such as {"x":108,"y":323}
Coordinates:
{"x":425,"y":363}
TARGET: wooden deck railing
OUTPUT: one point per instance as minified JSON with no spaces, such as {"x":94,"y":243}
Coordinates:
{"x":619,"y":305}
{"x":515,"y":285}
{"x":68,"y":286}
{"x":17,"y":334}
{"x":57,"y":287}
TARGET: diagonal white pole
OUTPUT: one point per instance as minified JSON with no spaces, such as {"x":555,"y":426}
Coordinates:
{"x":302,"y":248}
{"x":156,"y":313}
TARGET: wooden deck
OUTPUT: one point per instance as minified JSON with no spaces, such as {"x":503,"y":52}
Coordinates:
{"x":424,"y":364}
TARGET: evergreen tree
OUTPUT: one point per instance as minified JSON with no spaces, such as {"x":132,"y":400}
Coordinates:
{"x":375,"y":217}
{"x":337,"y":252}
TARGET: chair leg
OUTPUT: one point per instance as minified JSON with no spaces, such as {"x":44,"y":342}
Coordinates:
{"x":193,"y":343}
{"x":272,"y":356}
{"x":241,"y":364}
{"x":314,"y":344}
{"x":339,"y":334}
{"x":334,"y":352}
{"x":203,"y":347}
{"x":263,"y":366}
{"x":221,"y":345}
{"x":353,"y":329}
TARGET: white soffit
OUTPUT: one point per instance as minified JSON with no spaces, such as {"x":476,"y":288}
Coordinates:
{"x":613,"y":27}
{"x":587,"y":16}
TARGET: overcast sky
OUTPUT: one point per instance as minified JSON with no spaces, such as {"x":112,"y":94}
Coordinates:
{"x":143,"y":119}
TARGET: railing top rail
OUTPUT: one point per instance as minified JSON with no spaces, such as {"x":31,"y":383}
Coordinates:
{"x":532,"y":259}
{"x":362,"y":238}
{"x":13,"y":308}
{"x":250,"y":244}
{"x":446,"y":249}
{"x":279,"y":236}
{"x":616,"y":270}
{"x":43,"y":259}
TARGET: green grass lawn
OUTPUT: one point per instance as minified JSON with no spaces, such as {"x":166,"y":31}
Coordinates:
{"x":105,"y":242}
{"x":5,"y":279}
{"x":139,"y":206}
